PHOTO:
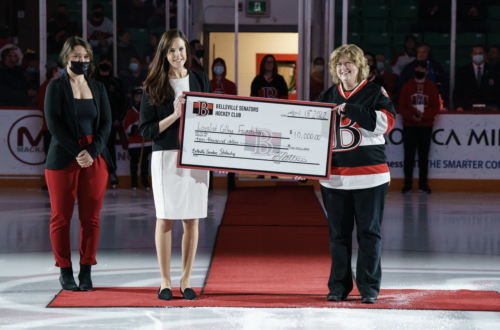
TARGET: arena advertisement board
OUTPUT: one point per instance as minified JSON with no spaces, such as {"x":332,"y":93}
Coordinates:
{"x":464,"y":146}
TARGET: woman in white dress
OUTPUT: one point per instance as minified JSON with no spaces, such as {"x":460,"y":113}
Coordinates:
{"x":178,"y":193}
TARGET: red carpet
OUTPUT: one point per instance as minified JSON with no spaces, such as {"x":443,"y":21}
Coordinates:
{"x":388,"y":299}
{"x":272,"y":250}
{"x":270,"y":260}
{"x":274,"y":206}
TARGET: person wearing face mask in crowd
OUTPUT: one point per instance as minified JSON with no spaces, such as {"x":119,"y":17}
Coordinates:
{"x":59,"y":29}
{"x":133,"y":77}
{"x":139,"y":149}
{"x":373,"y":74}
{"x":435,"y":73}
{"x":386,"y":76}
{"x":117,"y":101}
{"x":221,"y":85}
{"x":477,"y":84}
{"x":125,"y":50}
{"x":100,"y":30}
{"x":317,"y":79}
{"x":79,"y":119}
{"x":197,"y":53}
{"x":418,"y":105}
{"x":53,"y":71}
{"x":30,"y":67}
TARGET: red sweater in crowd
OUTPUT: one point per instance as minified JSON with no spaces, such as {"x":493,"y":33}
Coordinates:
{"x":130,"y":125}
{"x":413,"y":94}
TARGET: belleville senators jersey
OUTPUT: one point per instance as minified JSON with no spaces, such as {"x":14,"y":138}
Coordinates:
{"x":134,"y":137}
{"x":275,"y":88}
{"x":358,"y":151}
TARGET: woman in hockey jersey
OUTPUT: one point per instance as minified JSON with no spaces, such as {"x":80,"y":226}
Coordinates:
{"x":269,"y":83}
{"x":359,"y":178}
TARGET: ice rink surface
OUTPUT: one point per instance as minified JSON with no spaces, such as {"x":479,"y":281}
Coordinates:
{"x":444,"y":241}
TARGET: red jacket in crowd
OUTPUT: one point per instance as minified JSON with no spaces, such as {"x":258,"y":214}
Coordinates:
{"x":131,"y":127}
{"x":414,"y":95}
{"x":225,"y":86}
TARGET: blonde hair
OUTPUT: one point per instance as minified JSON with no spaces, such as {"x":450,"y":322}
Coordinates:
{"x":356,"y":55}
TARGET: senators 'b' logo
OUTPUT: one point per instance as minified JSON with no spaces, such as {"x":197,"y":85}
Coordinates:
{"x":203,"y":108}
{"x":346,"y":135}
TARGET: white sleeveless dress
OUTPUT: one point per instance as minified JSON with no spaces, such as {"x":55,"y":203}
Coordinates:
{"x":179,"y":193}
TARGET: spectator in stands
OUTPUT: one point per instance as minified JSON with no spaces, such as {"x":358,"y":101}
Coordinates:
{"x":472,"y":16}
{"x":157,"y":15}
{"x":435,"y":73}
{"x":221,"y":85}
{"x":117,"y":101}
{"x":53,"y":72}
{"x":373,"y":74}
{"x":138,"y":148}
{"x":14,"y":89}
{"x":5,"y":37}
{"x":59,"y":29}
{"x":418,"y":105}
{"x":31,"y":68}
{"x":386,"y":76}
{"x":197,"y":53}
{"x":433,"y":16}
{"x":317,"y":79}
{"x":133,"y":77}
{"x":125,"y":51}
{"x":17,"y":50}
{"x":149,"y":54}
{"x":269,"y":83}
{"x":100,"y":30}
{"x":401,"y":59}
{"x":494,"y":57}
{"x":477,"y":85}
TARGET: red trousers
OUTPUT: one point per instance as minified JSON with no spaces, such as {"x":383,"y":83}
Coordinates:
{"x":89,"y":184}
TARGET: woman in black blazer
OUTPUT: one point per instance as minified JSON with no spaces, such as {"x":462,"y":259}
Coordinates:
{"x":79,"y":119}
{"x":178,"y":193}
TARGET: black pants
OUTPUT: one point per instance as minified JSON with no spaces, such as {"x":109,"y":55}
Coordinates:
{"x":416,"y":138}
{"x":365,"y":207}
{"x":135,"y":153}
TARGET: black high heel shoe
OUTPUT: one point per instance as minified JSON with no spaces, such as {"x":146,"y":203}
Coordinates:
{"x":67,"y":280}
{"x":165,"y":294}
{"x":84,"y":278}
{"x":189,"y":294}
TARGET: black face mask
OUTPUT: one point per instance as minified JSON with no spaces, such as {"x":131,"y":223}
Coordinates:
{"x":104,"y":67}
{"x":419,"y":75}
{"x":79,"y":68}
{"x":200,"y":53}
{"x":98,"y":14}
{"x":61,"y":17}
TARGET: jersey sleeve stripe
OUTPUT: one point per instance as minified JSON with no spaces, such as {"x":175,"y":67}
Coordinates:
{"x":390,"y":120}
{"x":360,"y":170}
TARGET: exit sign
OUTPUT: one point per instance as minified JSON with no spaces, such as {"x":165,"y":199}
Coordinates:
{"x":257,"y":8}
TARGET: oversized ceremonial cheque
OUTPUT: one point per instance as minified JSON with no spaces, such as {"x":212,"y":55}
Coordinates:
{"x":256,"y":135}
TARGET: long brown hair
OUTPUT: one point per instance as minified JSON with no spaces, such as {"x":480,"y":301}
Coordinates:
{"x":263,"y":65}
{"x":157,"y":86}
{"x":68,"y":47}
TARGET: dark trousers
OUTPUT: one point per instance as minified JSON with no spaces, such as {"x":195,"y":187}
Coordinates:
{"x":416,"y":138}
{"x":110,"y":145}
{"x":365,"y":207}
{"x":89,"y":185}
{"x":135,"y":154}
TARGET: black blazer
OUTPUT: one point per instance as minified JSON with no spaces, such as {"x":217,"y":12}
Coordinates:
{"x":60,"y":112}
{"x":467,"y":92}
{"x":151,"y":115}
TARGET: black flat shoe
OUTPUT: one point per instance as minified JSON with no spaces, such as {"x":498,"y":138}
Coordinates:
{"x":369,"y":300}
{"x":67,"y":280}
{"x":189,"y":294}
{"x":336,"y":297}
{"x":165,"y":294}
{"x":84,"y":278}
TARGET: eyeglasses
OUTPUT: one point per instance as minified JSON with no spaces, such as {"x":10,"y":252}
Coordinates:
{"x":346,"y":64}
